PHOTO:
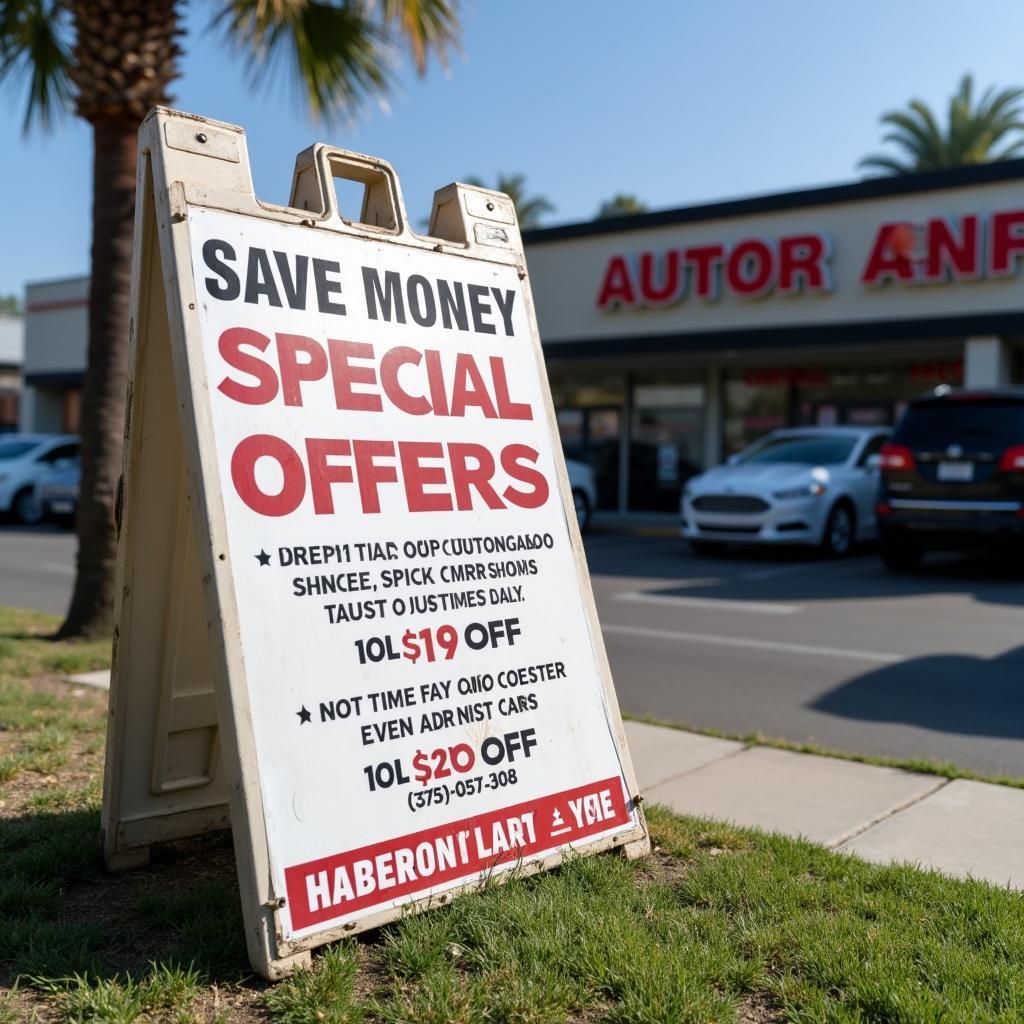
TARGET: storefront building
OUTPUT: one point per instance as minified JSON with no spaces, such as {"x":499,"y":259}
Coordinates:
{"x":675,"y":338}
{"x":56,"y":341}
{"x":12,"y":352}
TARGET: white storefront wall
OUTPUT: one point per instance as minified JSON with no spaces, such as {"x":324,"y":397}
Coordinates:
{"x":568,"y":273}
{"x":56,"y":338}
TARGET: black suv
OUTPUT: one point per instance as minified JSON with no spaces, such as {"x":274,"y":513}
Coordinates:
{"x":953,"y":476}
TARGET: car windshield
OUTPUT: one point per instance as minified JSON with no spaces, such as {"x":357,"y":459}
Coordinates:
{"x":807,"y":449}
{"x":15,"y":449}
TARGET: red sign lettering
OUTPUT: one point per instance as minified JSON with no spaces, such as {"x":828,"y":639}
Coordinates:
{"x":970,"y":247}
{"x":752,"y":268}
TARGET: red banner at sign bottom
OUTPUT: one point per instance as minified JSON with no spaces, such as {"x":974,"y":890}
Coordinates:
{"x":336,"y":886}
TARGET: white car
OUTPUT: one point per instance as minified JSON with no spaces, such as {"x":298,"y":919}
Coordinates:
{"x":24,"y":458}
{"x":584,"y":490}
{"x":808,"y":485}
{"x":57,"y":492}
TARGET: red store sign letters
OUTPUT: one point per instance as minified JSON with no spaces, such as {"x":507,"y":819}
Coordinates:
{"x":972,"y":247}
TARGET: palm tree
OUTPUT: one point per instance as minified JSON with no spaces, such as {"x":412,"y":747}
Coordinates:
{"x":623,"y":204}
{"x":111,"y":61}
{"x":529,"y":209}
{"x":972,"y":135}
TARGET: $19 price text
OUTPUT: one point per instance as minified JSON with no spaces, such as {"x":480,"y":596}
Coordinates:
{"x":438,"y":643}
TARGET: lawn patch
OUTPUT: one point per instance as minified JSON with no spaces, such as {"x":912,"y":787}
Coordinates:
{"x":161,"y":992}
{"x":326,"y":995}
{"x":47,"y":728}
{"x":719,"y":924}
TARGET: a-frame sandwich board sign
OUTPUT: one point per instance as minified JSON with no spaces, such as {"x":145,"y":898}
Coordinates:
{"x":354,"y":618}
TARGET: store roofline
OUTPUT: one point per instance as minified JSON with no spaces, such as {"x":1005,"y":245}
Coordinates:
{"x":47,"y":281}
{"x":869,"y":188}
{"x":72,"y":378}
{"x":792,"y":335}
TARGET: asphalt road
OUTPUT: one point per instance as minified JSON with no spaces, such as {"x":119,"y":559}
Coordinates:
{"x":839,"y":653}
{"x":843,"y":654}
{"x":36,"y":567}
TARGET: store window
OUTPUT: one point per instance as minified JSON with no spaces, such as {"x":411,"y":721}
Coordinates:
{"x":762,"y":399}
{"x":588,"y":409}
{"x":666,"y":443}
{"x":572,"y":430}
{"x":756,"y":402}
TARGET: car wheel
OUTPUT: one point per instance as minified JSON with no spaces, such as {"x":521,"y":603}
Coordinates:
{"x":26,"y":508}
{"x":582,"y":506}
{"x":840,"y":531}
{"x":899,"y":557}
{"x":706,"y":547}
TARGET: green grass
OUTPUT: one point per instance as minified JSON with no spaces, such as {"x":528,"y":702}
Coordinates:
{"x":166,"y":991}
{"x":720,"y":924}
{"x":43,"y":729}
{"x":8,"y":1007}
{"x":26,"y":651}
{"x":721,"y":918}
{"x":945,"y":769}
{"x":327,"y":994}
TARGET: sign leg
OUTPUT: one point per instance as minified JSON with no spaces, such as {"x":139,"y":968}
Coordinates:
{"x":117,"y":861}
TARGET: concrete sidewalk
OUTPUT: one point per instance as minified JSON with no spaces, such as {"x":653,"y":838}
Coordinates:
{"x":961,"y":828}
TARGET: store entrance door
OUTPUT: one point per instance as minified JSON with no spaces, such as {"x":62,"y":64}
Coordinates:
{"x":592,"y":436}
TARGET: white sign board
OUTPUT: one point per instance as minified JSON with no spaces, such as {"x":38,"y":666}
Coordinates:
{"x":418,"y":692}
{"x":411,"y":623}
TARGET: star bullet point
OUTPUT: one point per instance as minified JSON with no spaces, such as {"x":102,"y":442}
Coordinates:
{"x":263,"y":558}
{"x":304,"y":715}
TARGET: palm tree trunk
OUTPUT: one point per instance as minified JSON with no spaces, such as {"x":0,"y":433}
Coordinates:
{"x":103,"y":393}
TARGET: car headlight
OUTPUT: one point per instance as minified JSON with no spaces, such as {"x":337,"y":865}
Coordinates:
{"x":806,"y":491}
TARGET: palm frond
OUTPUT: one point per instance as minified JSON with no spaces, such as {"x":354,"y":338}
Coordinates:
{"x":971,"y":136}
{"x":426,"y":26}
{"x":1005,"y":103}
{"x":338,"y":54}
{"x":963,"y":94}
{"x":885,"y":165}
{"x":1012,"y":152}
{"x":35,"y":45}
{"x":915,"y":133}
{"x":342,"y":52}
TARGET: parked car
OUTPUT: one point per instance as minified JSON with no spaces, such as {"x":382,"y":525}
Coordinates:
{"x":584,"y":490}
{"x":953,"y":476}
{"x":807,"y":485}
{"x":57,"y":493}
{"x":23,"y":459}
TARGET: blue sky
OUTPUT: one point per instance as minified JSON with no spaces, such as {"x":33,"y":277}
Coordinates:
{"x":676,"y":102}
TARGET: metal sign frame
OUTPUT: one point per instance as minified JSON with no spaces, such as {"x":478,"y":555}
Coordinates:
{"x":181,"y":753}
